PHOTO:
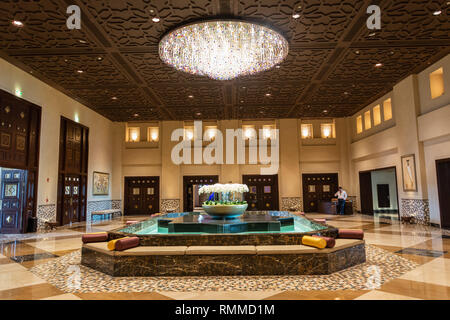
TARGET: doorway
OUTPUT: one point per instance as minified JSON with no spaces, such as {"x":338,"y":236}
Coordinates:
{"x":263,"y":192}
{"x":443,"y":182}
{"x":318,"y":187}
{"x":191,"y":199}
{"x":72,"y":172}
{"x":378,"y":193}
{"x":19,"y":162}
{"x":12,"y":196}
{"x":141,"y":195}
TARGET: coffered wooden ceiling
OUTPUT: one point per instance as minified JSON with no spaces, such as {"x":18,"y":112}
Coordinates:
{"x":329,"y":72}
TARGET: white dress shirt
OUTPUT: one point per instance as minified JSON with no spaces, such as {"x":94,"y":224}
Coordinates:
{"x":341,"y":195}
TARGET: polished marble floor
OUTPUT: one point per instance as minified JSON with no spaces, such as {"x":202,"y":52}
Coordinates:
{"x":427,"y":249}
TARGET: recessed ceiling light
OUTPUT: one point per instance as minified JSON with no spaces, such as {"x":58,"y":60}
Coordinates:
{"x":268,"y":94}
{"x":17,"y":23}
{"x":357,"y":51}
{"x":325,"y":111}
{"x":346,"y":93}
{"x":156,"y":19}
{"x":242,"y":101}
{"x":198,"y":113}
{"x":99,"y":58}
{"x":82,"y":41}
{"x":378,"y":65}
{"x":295,"y":16}
{"x":372,"y":34}
{"x":190,"y":96}
{"x":80,"y":71}
{"x":135,"y":115}
{"x":151,"y":10}
{"x":114,"y":98}
{"x":437,"y":12}
{"x":278,"y":67}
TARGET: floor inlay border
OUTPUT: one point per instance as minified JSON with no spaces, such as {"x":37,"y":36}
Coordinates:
{"x":68,"y":275}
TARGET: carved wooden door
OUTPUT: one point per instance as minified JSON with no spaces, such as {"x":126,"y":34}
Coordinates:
{"x":318,"y":187}
{"x":141,"y":195}
{"x":263,"y":192}
{"x":12,"y":195}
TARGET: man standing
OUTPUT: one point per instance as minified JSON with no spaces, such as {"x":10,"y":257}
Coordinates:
{"x":342,"y":196}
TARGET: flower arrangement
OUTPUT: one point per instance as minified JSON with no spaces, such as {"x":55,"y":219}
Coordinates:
{"x":224,"y":194}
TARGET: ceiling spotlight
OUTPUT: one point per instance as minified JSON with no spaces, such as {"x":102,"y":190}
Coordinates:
{"x":17,"y":23}
{"x":114,"y":98}
{"x":82,"y":41}
{"x":242,"y":101}
{"x":135,"y":115}
{"x":190,"y":96}
{"x":198,"y":114}
{"x":325,"y":111}
{"x":379,"y":65}
{"x":436,"y":13}
{"x":346,"y":93}
{"x":295,"y":16}
{"x":357,"y":51}
{"x":268,"y":94}
{"x":99,"y":58}
{"x":278,"y":67}
{"x":156,"y":19}
{"x":372,"y":34}
{"x":80,"y":71}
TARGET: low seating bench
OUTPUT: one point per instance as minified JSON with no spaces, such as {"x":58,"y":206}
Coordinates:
{"x":104,"y":214}
{"x":223,"y":260}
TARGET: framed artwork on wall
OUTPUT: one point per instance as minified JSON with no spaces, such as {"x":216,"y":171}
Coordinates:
{"x":409,"y":173}
{"x":100,"y":186}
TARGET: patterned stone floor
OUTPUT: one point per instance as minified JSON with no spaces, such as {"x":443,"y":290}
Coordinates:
{"x":403,"y":262}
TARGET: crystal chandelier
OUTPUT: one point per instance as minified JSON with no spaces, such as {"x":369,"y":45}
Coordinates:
{"x":223,"y":49}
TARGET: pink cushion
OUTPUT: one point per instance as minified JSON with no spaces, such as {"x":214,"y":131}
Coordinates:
{"x":320,"y":220}
{"x":94,"y":237}
{"x":131,"y":222}
{"x":127,"y":243}
{"x":351,"y":234}
{"x":330,"y":241}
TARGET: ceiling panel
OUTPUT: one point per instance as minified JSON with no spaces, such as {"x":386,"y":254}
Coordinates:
{"x":330,"y":65}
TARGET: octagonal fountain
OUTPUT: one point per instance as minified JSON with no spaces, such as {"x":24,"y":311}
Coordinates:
{"x":224,"y":241}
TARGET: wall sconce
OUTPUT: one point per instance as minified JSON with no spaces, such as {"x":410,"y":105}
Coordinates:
{"x":249,"y":132}
{"x":268,"y":132}
{"x":327,"y":130}
{"x":211,"y":132}
{"x":133,"y":134}
{"x":153,"y":134}
{"x":306,"y":130}
{"x":188,"y":133}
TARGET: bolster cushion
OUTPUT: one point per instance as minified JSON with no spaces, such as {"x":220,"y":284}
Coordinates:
{"x":351,"y":234}
{"x":314,"y":242}
{"x":94,"y":237}
{"x":112,"y":244}
{"x":127,"y":243}
{"x":331,"y":242}
{"x":129,"y":222}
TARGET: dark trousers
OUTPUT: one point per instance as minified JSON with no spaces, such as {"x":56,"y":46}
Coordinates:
{"x":341,"y":206}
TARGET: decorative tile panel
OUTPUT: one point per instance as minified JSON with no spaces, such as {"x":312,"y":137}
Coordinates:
{"x":417,"y":208}
{"x":45,"y":213}
{"x":288,"y":203}
{"x":170,"y":204}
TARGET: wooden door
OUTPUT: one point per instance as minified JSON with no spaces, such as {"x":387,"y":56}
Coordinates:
{"x":263,"y":192}
{"x":365,"y":192}
{"x":190,"y":189}
{"x":72,"y":175}
{"x":318,"y":187}
{"x":384,"y":200}
{"x":11,"y":198}
{"x":72,"y":207}
{"x":141,"y":195}
{"x":443,"y":182}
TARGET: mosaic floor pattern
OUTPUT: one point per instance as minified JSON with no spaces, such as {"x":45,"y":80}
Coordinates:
{"x":66,"y":274}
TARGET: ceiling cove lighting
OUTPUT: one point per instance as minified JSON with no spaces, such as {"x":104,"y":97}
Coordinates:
{"x":223,"y":49}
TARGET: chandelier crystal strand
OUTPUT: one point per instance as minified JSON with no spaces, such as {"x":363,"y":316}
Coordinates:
{"x":223,"y":50}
